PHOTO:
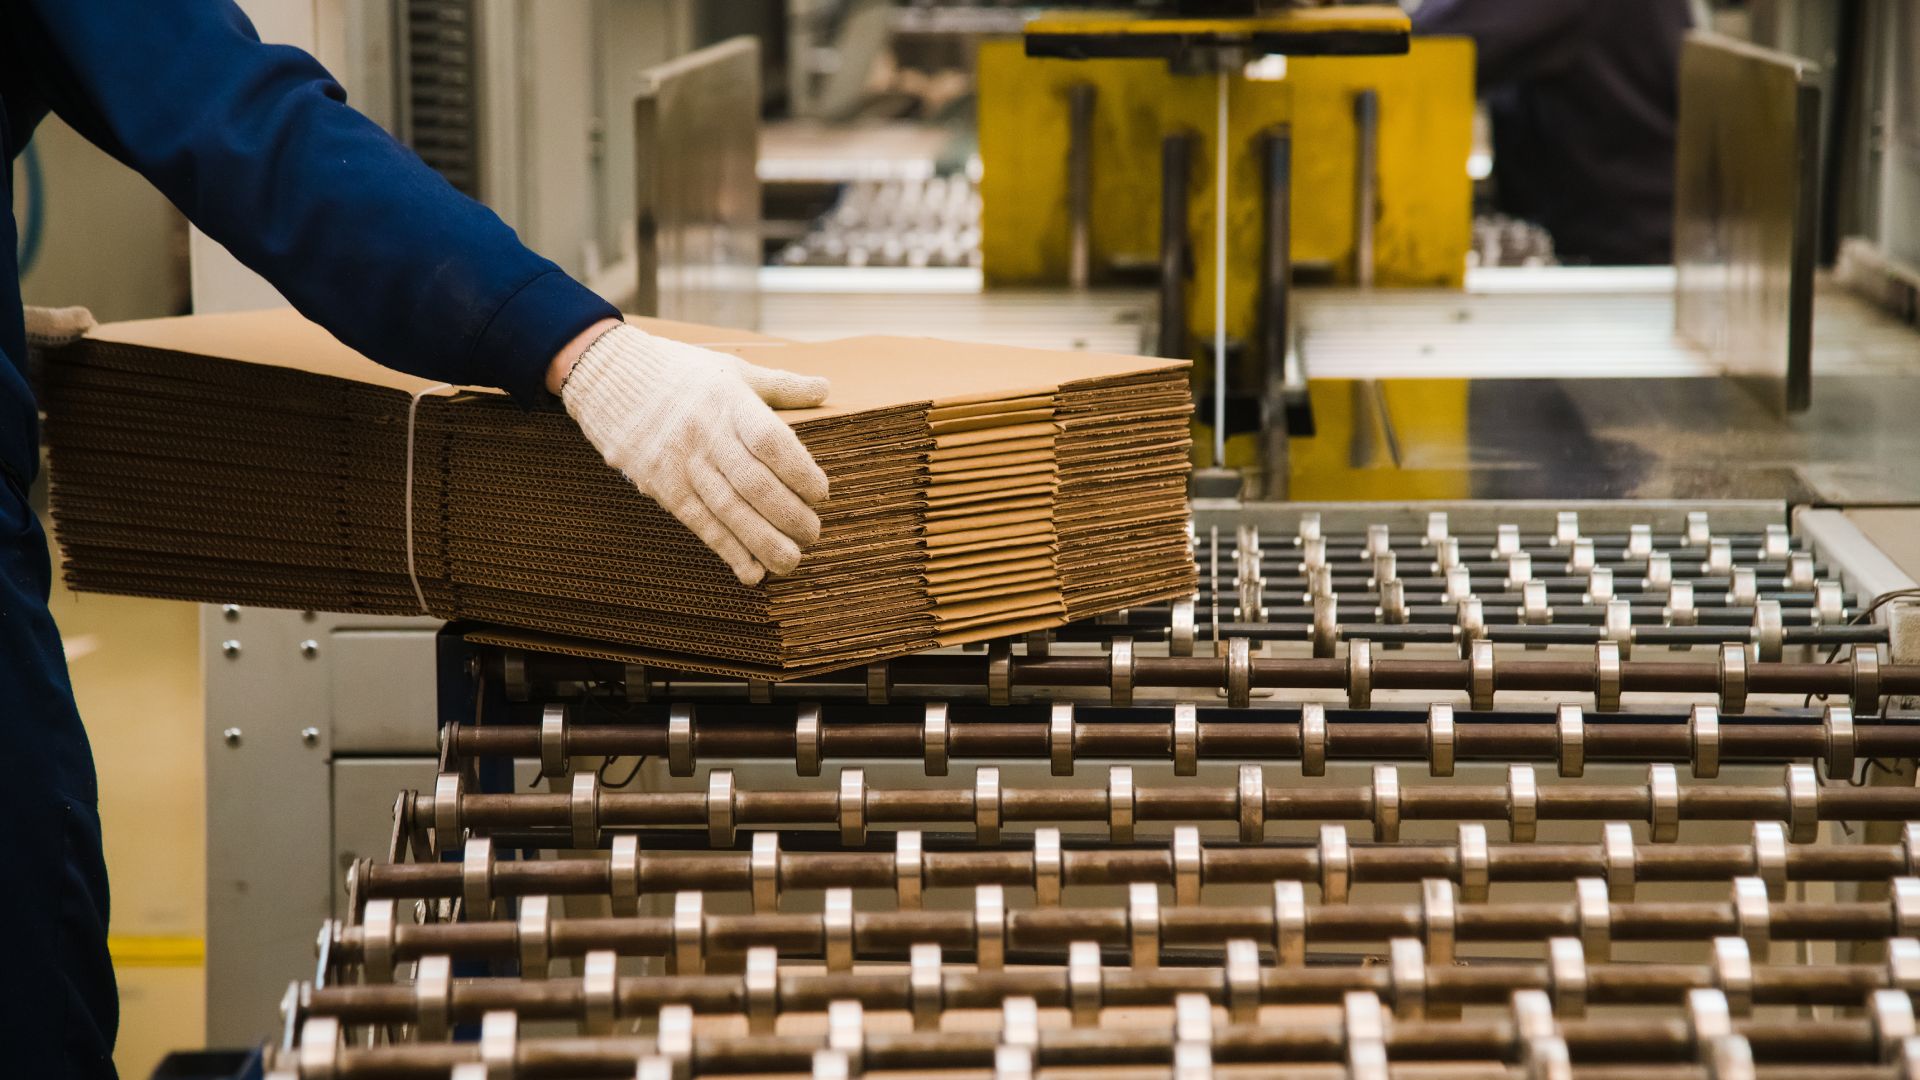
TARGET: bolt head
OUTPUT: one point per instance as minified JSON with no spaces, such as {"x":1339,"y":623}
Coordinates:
{"x":231,"y":612}
{"x":230,"y":647}
{"x":310,"y":736}
{"x":309,"y":648}
{"x":232,"y":736}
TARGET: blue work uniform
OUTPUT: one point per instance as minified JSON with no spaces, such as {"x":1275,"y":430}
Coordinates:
{"x":255,"y":144}
{"x":1583,"y":96}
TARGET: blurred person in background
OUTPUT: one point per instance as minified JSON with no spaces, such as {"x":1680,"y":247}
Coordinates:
{"x":1583,"y":96}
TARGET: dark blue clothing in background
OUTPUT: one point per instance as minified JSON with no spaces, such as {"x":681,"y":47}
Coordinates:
{"x":1583,"y":95}
{"x":255,"y":144}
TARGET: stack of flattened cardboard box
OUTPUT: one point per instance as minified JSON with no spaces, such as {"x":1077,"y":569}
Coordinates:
{"x":976,"y":492}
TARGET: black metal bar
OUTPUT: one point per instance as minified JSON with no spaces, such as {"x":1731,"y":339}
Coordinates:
{"x":1176,"y":156}
{"x":1278,"y":278}
{"x":1080,"y":185}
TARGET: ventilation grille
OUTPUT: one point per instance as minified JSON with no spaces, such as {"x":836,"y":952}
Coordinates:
{"x":440,"y":87}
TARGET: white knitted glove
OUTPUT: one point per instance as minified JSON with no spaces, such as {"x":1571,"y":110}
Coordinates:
{"x":692,"y":429}
{"x":53,"y":327}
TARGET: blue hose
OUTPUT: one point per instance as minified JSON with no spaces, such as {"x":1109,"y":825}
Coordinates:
{"x":34,"y":225}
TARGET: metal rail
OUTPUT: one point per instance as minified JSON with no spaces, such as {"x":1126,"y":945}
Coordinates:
{"x":688,"y":735}
{"x":1049,"y":863}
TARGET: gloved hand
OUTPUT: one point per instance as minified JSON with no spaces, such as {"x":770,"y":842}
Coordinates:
{"x":53,"y":327}
{"x":692,"y":428}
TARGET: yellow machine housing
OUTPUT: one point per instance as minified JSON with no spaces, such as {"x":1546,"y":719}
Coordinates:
{"x":1423,"y":194}
{"x":1423,"y":224}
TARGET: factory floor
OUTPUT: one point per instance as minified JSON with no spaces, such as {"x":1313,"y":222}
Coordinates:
{"x":136,"y":673}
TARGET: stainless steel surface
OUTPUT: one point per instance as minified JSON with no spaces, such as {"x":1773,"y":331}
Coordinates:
{"x":1488,"y":331}
{"x":1627,"y":438}
{"x":358,"y":790}
{"x":1586,"y":322}
{"x":1872,"y":558}
{"x":1838,"y":539}
{"x":378,"y":695}
{"x":1745,"y":212}
{"x":269,"y":790}
{"x":267,"y":869}
{"x":1570,"y":383}
{"x":696,"y":148}
{"x":1900,"y":182}
{"x":1895,"y":530}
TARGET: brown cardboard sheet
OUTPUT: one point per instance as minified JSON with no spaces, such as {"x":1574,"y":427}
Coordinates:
{"x":966,"y":539}
{"x":1010,"y":628}
{"x":976,"y":613}
{"x":983,"y":437}
{"x":987,"y":553}
{"x":951,"y":492}
{"x":1006,"y":452}
{"x":988,"y":422}
{"x":942,"y":511}
{"x":1001,"y":407}
{"x":999,"y":514}
{"x":961,"y":592}
{"x":972,"y":572}
{"x":1038,"y":465}
{"x":975,"y":490}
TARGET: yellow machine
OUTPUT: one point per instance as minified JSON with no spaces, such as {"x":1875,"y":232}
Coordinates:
{"x":1365,"y":157}
{"x":1423,"y":214}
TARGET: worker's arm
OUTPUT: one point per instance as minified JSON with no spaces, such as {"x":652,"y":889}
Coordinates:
{"x":256,"y":145}
{"x":1513,"y":39}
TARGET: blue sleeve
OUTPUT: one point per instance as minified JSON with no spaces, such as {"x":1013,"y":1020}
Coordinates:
{"x":256,"y":145}
{"x":1512,"y":39}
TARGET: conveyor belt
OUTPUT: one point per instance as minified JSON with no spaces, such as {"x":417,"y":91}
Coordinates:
{"x":1355,"y":809}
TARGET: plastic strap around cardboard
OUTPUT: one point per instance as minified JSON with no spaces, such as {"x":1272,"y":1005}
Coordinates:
{"x":413,"y":411}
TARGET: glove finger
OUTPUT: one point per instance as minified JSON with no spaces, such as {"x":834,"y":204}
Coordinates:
{"x":773,"y":548}
{"x":780,"y":450}
{"x":694,"y":514}
{"x":767,"y":494}
{"x":784,"y":389}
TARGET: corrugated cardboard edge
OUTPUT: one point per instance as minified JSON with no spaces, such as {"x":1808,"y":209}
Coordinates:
{"x":282,"y":339}
{"x":508,"y":637}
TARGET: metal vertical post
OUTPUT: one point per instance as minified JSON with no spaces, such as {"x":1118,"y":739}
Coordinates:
{"x":1276,"y":326}
{"x":1366,"y":176}
{"x":1080,"y":184}
{"x":1278,"y":265}
{"x":1220,"y":267}
{"x":1176,"y":152}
